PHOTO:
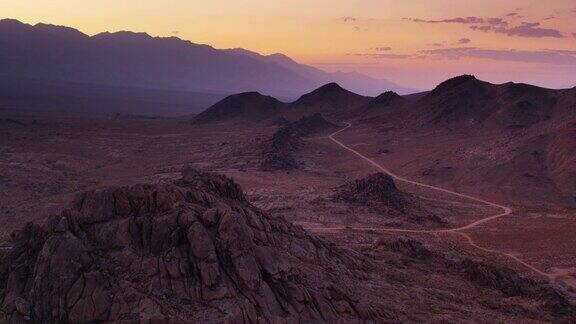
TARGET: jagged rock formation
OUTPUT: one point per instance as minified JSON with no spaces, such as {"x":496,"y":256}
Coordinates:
{"x":377,"y":190}
{"x":511,"y":284}
{"x":193,"y":250}
{"x":484,"y":275}
{"x":406,"y":246}
{"x":278,"y":152}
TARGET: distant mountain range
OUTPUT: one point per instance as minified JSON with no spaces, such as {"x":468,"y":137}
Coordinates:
{"x":56,"y":53}
{"x":463,"y":100}
{"x":529,"y":131}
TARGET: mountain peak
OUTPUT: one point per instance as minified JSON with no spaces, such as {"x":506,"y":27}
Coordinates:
{"x":124,"y":36}
{"x":389,"y":95}
{"x":386,"y":99}
{"x":327,"y":91}
{"x":332,"y":86}
{"x":462,"y":81}
{"x":10,"y":21}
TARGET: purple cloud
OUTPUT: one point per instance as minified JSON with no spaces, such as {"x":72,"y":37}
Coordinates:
{"x":556,"y":57}
{"x":348,"y":19}
{"x":382,"y":49}
{"x":532,"y":30}
{"x":457,"y":20}
{"x":383,"y":56}
{"x":496,"y":22}
{"x":464,"y":41}
{"x":500,"y":26}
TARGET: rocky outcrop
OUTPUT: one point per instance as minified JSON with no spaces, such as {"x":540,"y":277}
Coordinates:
{"x":379,"y":193}
{"x":278,"y":152}
{"x":378,"y":190}
{"x":511,"y":284}
{"x":313,"y":124}
{"x":192,"y":250}
{"x":406,"y":246}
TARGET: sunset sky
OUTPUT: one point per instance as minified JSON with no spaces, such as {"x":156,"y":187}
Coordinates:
{"x":416,"y":43}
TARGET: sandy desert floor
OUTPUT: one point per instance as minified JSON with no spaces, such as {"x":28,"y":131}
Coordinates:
{"x":44,"y":161}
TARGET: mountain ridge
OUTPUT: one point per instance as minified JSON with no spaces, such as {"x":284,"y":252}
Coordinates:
{"x":128,"y":58}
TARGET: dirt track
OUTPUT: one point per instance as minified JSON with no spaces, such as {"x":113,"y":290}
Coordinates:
{"x":458,"y":231}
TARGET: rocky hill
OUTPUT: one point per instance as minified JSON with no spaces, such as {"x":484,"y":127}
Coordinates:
{"x":249,"y":106}
{"x":378,"y":192}
{"x":278,"y":151}
{"x":331,"y":100}
{"x":192,"y":250}
{"x":465,"y":100}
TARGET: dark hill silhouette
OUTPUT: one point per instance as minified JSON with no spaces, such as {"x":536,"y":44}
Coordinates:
{"x":251,"y":106}
{"x":50,"y":52}
{"x":387,"y":104}
{"x":330,"y":100}
{"x":467,"y":100}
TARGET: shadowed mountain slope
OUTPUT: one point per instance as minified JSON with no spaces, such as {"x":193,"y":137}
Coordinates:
{"x":468,"y":101}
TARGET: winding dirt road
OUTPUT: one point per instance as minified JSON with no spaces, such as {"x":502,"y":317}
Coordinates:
{"x":458,"y":230}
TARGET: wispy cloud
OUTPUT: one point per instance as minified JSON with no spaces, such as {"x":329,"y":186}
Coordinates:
{"x":464,"y":41}
{"x":384,"y":55}
{"x":457,"y":20}
{"x":556,"y":57}
{"x":382,"y":49}
{"x":348,"y":19}
{"x":533,"y":30}
{"x":500,"y":25}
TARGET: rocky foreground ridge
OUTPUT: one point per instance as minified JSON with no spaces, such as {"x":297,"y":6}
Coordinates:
{"x":189,"y":250}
